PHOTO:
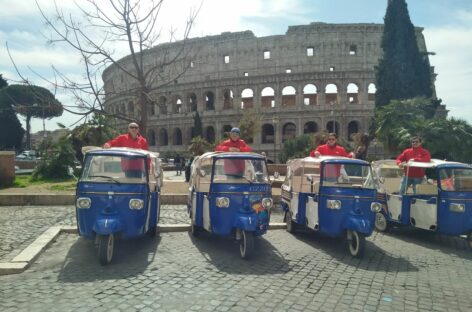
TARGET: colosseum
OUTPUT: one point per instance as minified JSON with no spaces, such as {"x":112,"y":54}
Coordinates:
{"x":315,"y":77}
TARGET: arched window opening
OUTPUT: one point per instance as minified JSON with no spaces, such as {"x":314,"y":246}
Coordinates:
{"x":310,"y":127}
{"x":352,"y":93}
{"x":247,"y":99}
{"x":210,"y":100}
{"x":332,"y":126}
{"x":192,"y":101}
{"x":152,"y":108}
{"x":289,"y":131}
{"x":177,"y":137}
{"x":267,"y":97}
{"x":130,"y":107}
{"x":331,"y":93}
{"x":309,"y":95}
{"x":162,"y":105}
{"x":210,"y":134}
{"x":228,"y":99}
{"x":178,"y":106}
{"x":288,"y":96}
{"x":371,"y":90}
{"x":163,"y":138}
{"x":352,"y":127}
{"x":151,"y":137}
{"x":267,"y":134}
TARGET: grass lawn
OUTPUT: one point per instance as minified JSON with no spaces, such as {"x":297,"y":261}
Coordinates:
{"x":24,"y":181}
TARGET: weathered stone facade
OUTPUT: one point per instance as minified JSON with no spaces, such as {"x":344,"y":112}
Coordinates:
{"x":315,"y":77}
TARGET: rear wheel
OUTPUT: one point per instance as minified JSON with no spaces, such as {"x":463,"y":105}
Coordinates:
{"x":469,"y":240}
{"x":246,"y":244}
{"x":106,"y":244}
{"x":356,"y":243}
{"x":195,"y":230}
{"x":381,"y":223}
{"x":291,"y":226}
{"x":152,"y":231}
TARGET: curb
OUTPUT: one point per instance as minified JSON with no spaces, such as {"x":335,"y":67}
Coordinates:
{"x":26,"y":257}
{"x":69,"y":199}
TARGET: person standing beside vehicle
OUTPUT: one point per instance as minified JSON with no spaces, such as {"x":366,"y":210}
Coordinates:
{"x":178,"y":165}
{"x":234,"y":144}
{"x":412,"y":175}
{"x":133,"y":168}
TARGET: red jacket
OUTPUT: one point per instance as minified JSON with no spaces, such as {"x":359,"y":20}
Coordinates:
{"x":417,"y":154}
{"x":125,"y":140}
{"x":225,"y":145}
{"x":327,"y":150}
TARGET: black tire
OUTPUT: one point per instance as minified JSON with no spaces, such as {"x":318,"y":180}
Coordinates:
{"x":246,"y":244}
{"x":152,"y":231}
{"x":381,"y":222}
{"x":356,"y":243}
{"x":469,"y":240}
{"x":291,"y":226}
{"x":195,"y":230}
{"x":106,"y":244}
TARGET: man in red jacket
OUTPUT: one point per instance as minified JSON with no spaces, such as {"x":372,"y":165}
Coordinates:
{"x":331,"y":148}
{"x":234,"y":144}
{"x":133,"y":168}
{"x":413,"y":175}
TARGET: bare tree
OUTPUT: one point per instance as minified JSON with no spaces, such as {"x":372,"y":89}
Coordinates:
{"x":104,"y":28}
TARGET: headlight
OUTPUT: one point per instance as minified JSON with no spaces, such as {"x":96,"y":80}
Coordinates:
{"x":333,"y":204}
{"x":222,"y":202}
{"x":136,"y":204}
{"x":267,"y":203}
{"x":457,"y":207}
{"x":375,"y":207}
{"x":83,"y":202}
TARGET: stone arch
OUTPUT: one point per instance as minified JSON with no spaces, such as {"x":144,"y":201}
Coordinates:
{"x":210,"y":134}
{"x":192,"y":102}
{"x":177,"y":107}
{"x":228,"y":99}
{"x":247,"y":98}
{"x":162,"y":106}
{"x":289,"y":131}
{"x":352,"y":93}
{"x":352,"y":127}
{"x":310,"y":95}
{"x":333,"y":126}
{"x":268,"y":97}
{"x":151,"y":137}
{"x":209,"y":100}
{"x":191,"y":134}
{"x":152,"y":108}
{"x":177,"y":137}
{"x":310,"y":127}
{"x":267,"y":134}
{"x":371,"y":90}
{"x":163,"y":137}
{"x":331,"y":94}
{"x":289,"y":96}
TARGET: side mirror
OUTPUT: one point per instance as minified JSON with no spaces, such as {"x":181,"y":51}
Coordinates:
{"x":276,"y":175}
{"x":202,"y":173}
{"x":309,"y":178}
{"x":382,"y":180}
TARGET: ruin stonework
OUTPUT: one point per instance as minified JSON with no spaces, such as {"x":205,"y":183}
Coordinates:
{"x":315,"y":77}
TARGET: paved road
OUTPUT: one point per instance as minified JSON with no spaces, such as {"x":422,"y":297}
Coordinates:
{"x":404,"y":270}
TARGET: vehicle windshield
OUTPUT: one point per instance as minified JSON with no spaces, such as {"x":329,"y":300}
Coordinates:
{"x":458,"y":180}
{"x":230,"y":170}
{"x":114,"y":169}
{"x":348,"y":175}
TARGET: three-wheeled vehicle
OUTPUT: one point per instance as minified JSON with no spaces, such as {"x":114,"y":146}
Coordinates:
{"x":441,"y":203}
{"x":335,"y":196}
{"x":118,"y":196}
{"x":230,"y":194}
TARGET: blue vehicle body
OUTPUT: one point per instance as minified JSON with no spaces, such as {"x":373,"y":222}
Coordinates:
{"x":332,"y":206}
{"x":109,"y":203}
{"x":225,"y":205}
{"x":442,"y":202}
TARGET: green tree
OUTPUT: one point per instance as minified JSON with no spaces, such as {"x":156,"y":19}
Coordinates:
{"x":297,"y":147}
{"x":197,"y":125}
{"x":250,"y":125}
{"x":11,"y":131}
{"x":403,"y":71}
{"x":199,"y":145}
{"x":3,"y":82}
{"x":31,"y":101}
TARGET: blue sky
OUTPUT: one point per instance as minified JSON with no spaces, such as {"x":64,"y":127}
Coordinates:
{"x":447,"y":23}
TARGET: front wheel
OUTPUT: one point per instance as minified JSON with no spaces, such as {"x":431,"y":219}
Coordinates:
{"x":381,"y":223}
{"x":356,"y":243}
{"x":246,"y":244}
{"x":469,"y":240}
{"x":194,"y":230}
{"x":291,"y":226}
{"x":106,"y":245}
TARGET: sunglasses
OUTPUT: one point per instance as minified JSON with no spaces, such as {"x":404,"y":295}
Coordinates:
{"x":133,"y":127}
{"x":331,"y":139}
{"x":415,"y":142}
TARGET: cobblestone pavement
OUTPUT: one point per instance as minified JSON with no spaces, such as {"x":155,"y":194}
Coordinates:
{"x":403,"y":270}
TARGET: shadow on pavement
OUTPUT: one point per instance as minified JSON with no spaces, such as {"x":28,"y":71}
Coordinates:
{"x":131,"y":257}
{"x":223,"y":253}
{"x":448,"y":244}
{"x":374,"y":259}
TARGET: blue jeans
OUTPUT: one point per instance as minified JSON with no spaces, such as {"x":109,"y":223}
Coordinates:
{"x":411,"y":181}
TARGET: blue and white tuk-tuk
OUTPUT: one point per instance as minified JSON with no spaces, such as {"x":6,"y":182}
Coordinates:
{"x":118,"y":196}
{"x":230,"y":194}
{"x":335,"y":196}
{"x":441,"y":203}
